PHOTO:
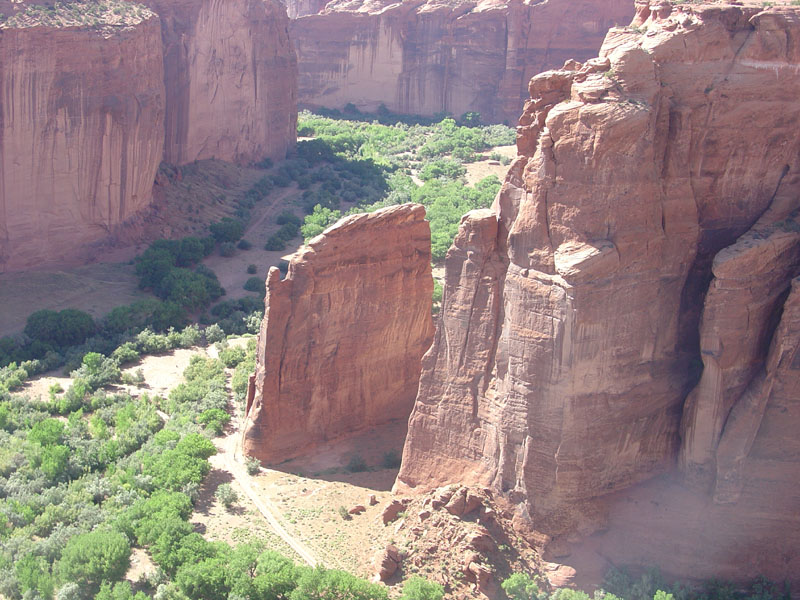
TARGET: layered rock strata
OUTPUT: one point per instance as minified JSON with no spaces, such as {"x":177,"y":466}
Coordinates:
{"x":343,"y":334}
{"x":429,"y":56}
{"x":647,"y":225}
{"x":95,"y":95}
{"x":231,"y":80}
{"x":81,"y":129}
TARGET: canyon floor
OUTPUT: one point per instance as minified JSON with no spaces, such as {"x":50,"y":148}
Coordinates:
{"x":201,"y":194}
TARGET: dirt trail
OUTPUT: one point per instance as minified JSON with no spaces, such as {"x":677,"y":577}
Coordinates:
{"x":226,"y":460}
{"x":265,"y":506}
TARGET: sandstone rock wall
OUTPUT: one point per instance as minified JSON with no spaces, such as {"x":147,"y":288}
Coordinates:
{"x":89,"y":111}
{"x":654,"y":184}
{"x":343,"y":333}
{"x":81,"y":135}
{"x":231,"y":80}
{"x":426,"y":57}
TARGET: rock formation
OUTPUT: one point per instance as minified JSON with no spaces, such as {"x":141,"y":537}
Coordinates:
{"x":81,"y":128}
{"x":85,"y":111}
{"x":646,"y":228}
{"x":429,"y":56}
{"x":343,"y":333}
{"x":231,"y":80}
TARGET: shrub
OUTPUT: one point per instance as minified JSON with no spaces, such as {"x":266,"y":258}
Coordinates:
{"x":227,"y":249}
{"x":344,"y":513}
{"x":214,"y":419}
{"x":232,"y":356}
{"x":277,"y":241}
{"x":274,"y":244}
{"x":244,"y":245}
{"x":125,"y":353}
{"x":356,"y":464}
{"x":519,"y":586}
{"x":419,"y":588}
{"x":150,"y":342}
{"x":226,"y":495}
{"x":97,"y":370}
{"x":68,"y":327}
{"x":251,"y":269}
{"x":254,"y":284}
{"x":214,"y":333}
{"x":90,"y":558}
{"x":253,"y":465}
{"x":442,"y":168}
{"x":288,"y":217}
{"x":227,"y":230}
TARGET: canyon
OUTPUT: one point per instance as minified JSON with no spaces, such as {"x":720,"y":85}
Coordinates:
{"x":96,"y":96}
{"x":430,"y":56}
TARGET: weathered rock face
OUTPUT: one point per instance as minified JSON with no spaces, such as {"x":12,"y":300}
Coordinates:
{"x":85,"y":110}
{"x":81,"y":134}
{"x":571,"y":322}
{"x":426,"y":57}
{"x":231,"y":80}
{"x":343,"y":335}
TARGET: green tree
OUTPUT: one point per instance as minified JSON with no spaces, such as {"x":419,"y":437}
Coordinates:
{"x":419,"y":588}
{"x":519,"y":586}
{"x":324,"y":584}
{"x":54,"y":461}
{"x":94,"y":557}
{"x":47,"y":432}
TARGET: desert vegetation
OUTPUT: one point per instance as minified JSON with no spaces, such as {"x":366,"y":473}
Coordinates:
{"x":78,"y":492}
{"x":356,"y":165}
{"x":92,"y":14}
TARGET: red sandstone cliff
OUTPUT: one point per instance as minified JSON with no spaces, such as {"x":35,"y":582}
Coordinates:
{"x":647,"y":224}
{"x":231,"y":80}
{"x":343,"y":333}
{"x":431,"y":56}
{"x":81,"y":130}
{"x":89,"y":96}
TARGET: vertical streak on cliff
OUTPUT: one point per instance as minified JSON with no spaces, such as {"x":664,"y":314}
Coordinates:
{"x":81,"y":139}
{"x":435,"y":57}
{"x":231,"y":78}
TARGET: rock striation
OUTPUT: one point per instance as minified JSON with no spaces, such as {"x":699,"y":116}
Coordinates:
{"x":231,"y":80}
{"x":95,"y":95}
{"x":343,"y":334}
{"x":647,"y":228}
{"x":430,"y":56}
{"x":81,"y":129}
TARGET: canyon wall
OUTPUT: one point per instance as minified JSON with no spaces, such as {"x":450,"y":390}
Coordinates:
{"x":613,"y":318}
{"x":231,"y":80}
{"x":93,"y":101}
{"x":343,"y":334}
{"x":81,"y":131}
{"x":426,"y":57}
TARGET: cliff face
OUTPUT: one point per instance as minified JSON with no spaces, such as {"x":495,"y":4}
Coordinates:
{"x":91,"y":92}
{"x":426,"y":57}
{"x":648,"y":224}
{"x":343,"y":333}
{"x":81,"y":133}
{"x":231,"y":80}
